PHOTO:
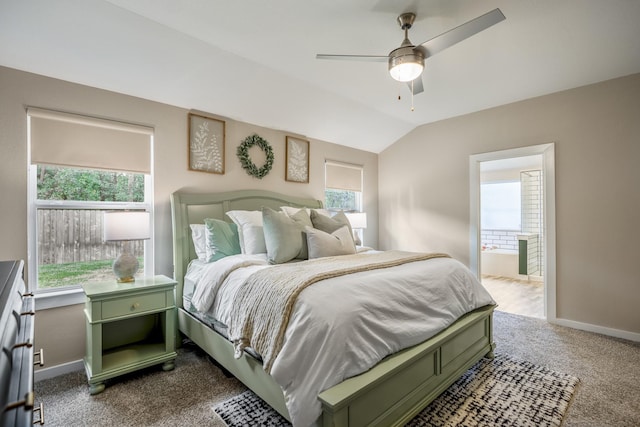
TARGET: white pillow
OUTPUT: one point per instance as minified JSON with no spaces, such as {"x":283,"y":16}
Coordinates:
{"x":250,"y":231}
{"x":290,"y":211}
{"x":199,"y":238}
{"x":321,"y":244}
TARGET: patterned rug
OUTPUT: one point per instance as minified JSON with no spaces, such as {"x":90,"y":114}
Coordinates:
{"x":499,"y":392}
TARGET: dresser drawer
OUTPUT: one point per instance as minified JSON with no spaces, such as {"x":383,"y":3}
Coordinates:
{"x":133,"y":304}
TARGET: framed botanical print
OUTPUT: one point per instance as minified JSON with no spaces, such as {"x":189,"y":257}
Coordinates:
{"x":297,"y":160}
{"x":206,"y":144}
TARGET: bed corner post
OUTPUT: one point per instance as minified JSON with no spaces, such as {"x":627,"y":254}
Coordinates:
{"x":490,"y":354}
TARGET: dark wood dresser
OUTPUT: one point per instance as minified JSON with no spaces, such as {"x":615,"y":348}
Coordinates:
{"x":18,"y":355}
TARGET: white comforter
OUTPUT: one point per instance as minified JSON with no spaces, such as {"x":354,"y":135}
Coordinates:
{"x":342,"y":327}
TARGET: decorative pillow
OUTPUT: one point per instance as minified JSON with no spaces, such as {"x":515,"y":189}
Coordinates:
{"x":199,"y":240}
{"x":329,"y":225}
{"x":290,"y":210}
{"x":222,"y":239}
{"x":284,"y":236}
{"x":249,"y":230}
{"x":322,"y":244}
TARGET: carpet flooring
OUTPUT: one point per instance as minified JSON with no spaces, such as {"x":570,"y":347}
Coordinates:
{"x":503,"y":391}
{"x":608,"y":368}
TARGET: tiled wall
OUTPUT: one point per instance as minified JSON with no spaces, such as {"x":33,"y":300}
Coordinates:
{"x":531,"y":193}
{"x":501,"y":239}
{"x":533,"y":255}
{"x":532,"y":221}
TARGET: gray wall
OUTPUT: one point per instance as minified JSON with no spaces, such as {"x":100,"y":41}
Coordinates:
{"x":61,"y":331}
{"x":424,"y":191}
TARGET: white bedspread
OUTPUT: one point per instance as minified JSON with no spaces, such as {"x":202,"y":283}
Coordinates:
{"x":343,"y":326}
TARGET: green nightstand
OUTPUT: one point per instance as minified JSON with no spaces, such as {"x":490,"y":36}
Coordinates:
{"x":130,"y":326}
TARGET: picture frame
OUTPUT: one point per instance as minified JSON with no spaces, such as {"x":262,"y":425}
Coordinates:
{"x":297,"y":160}
{"x":206,"y":144}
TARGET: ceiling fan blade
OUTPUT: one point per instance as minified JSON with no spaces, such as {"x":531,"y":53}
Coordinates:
{"x":461,"y":32}
{"x":368,"y":58}
{"x":417,"y":86}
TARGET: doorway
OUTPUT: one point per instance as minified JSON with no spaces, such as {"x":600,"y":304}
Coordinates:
{"x":512,"y":241}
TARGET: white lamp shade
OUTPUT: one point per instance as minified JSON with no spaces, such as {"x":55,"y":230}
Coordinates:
{"x":357,"y":219}
{"x":126,"y":225}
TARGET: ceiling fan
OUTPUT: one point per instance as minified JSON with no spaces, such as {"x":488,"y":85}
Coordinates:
{"x":407,"y":61}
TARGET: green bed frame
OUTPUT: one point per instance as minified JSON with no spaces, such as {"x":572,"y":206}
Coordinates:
{"x":389,"y":394}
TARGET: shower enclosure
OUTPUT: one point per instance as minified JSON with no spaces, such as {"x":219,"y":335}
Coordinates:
{"x":531,"y":240}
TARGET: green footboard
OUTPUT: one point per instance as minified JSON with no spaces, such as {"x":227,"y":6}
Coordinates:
{"x":389,"y":394}
{"x":399,"y":387}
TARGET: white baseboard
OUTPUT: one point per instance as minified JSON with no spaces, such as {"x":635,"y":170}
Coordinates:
{"x":617,"y":333}
{"x":54,"y":371}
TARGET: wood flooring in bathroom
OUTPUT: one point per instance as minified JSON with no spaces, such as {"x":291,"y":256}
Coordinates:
{"x":516,"y":296}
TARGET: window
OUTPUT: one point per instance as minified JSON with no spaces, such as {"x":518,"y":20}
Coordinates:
{"x":343,"y":186}
{"x":79,"y":168}
{"x":500,"y":205}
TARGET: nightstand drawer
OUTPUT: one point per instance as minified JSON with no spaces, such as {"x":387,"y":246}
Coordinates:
{"x":131,"y":305}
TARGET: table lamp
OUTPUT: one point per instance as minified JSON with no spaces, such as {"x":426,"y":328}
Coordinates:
{"x":358,"y":221}
{"x":126,"y":226}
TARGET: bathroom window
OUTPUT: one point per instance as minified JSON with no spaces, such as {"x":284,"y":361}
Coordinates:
{"x":500,"y":205}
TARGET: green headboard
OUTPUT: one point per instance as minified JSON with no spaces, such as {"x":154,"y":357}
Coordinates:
{"x":193,"y":208}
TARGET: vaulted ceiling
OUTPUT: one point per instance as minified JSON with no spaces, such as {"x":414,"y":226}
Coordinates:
{"x":254,"y":60}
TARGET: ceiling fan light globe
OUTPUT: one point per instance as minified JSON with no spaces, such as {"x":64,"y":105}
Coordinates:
{"x":405,"y":64}
{"x":406,"y":72}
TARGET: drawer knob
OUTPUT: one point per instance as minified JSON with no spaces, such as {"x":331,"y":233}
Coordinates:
{"x":22,"y":344}
{"x":27,"y":402}
{"x":135,"y":306}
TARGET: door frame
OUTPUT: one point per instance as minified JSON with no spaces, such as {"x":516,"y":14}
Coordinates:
{"x":549,"y":214}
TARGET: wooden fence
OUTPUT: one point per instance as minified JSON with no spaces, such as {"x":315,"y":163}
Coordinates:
{"x":75,"y":235}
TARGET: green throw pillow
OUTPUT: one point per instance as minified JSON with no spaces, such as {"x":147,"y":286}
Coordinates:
{"x":284,"y":236}
{"x":222,"y":239}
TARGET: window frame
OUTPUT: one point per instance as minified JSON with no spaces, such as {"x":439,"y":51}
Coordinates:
{"x":358,"y":194}
{"x":35,"y":204}
{"x":73,"y":294}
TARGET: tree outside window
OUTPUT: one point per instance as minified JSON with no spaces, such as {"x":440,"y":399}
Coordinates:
{"x":69,"y":207}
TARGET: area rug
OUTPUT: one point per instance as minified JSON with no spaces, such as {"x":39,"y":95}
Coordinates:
{"x":499,"y":392}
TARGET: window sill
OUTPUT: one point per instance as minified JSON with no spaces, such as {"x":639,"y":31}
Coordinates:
{"x":46,"y":300}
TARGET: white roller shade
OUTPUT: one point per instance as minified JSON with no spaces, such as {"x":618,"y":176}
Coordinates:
{"x":85,"y":142}
{"x":343,"y":176}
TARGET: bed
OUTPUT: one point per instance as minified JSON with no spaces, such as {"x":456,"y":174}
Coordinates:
{"x":390,"y":393}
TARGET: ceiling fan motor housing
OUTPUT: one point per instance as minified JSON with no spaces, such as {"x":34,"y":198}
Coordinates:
{"x":405,"y":55}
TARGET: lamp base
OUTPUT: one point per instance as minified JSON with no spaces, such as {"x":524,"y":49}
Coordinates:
{"x":125,"y":267}
{"x":356,"y":238}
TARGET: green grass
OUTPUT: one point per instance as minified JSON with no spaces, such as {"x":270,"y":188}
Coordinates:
{"x":76,"y":273}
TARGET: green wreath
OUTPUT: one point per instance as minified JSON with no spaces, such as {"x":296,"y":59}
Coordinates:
{"x":245,"y":160}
